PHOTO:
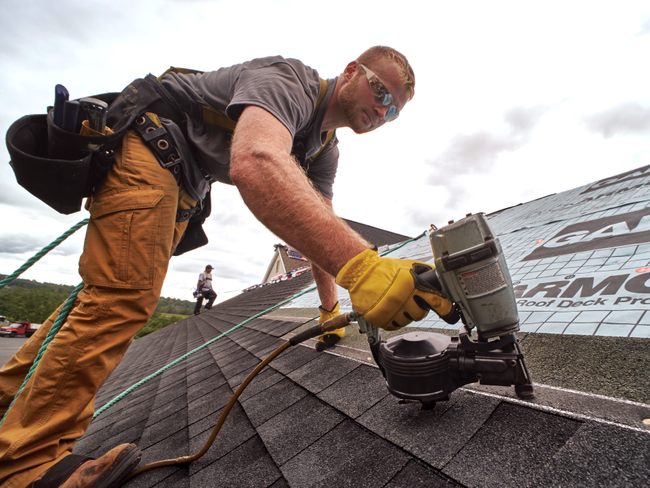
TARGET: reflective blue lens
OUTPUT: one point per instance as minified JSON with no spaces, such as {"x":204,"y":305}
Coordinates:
{"x":382,"y":94}
{"x":392,"y":114}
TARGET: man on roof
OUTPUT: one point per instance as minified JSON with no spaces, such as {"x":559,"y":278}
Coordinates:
{"x":204,"y":290}
{"x":266,"y":126}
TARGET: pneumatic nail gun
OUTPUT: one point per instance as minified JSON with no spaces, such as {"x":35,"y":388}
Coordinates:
{"x":471,"y":272}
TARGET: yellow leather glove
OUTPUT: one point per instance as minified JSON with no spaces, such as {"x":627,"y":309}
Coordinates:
{"x":326,"y":315}
{"x":386,"y":291}
{"x":331,"y":338}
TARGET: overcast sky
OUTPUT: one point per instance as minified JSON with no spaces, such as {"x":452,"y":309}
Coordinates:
{"x":513,"y":101}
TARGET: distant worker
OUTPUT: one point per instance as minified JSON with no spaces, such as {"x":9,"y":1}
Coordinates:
{"x":204,"y":290}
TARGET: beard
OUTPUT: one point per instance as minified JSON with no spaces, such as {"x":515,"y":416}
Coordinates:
{"x":350,"y":106}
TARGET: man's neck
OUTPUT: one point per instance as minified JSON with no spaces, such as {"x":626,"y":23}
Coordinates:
{"x":334,"y":116}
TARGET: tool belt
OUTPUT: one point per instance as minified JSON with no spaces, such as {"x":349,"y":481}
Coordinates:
{"x":61,"y":168}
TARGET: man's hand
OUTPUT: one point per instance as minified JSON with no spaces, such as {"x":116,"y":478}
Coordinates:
{"x":326,"y":315}
{"x":386,"y":290}
{"x":331,"y":338}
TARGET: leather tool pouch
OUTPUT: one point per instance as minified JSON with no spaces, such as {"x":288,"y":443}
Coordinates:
{"x":61,"y":168}
{"x":194,"y":235}
{"x":58,"y":167}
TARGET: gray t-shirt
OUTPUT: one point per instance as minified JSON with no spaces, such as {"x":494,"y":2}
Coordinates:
{"x":284,"y":87}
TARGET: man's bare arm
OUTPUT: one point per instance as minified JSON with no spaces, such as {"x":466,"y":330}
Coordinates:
{"x":279,"y":194}
{"x":327,"y":289}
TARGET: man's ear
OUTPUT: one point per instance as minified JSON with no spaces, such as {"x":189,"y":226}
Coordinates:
{"x":350,"y":69}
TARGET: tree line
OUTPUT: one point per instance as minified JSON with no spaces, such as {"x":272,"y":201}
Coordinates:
{"x":31,"y":301}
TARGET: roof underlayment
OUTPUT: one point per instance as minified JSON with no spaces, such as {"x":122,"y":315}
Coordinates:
{"x":579,"y":263}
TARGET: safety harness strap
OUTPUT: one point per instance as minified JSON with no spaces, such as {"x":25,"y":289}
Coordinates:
{"x":210,"y":116}
{"x":163,"y":147}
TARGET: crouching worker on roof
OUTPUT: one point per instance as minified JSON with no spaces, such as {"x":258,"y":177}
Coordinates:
{"x":204,"y":290}
{"x":268,"y":127}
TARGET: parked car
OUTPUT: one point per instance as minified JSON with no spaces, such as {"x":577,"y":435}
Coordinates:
{"x":19,"y":328}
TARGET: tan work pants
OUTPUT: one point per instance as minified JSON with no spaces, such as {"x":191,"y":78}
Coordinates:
{"x":130,"y":238}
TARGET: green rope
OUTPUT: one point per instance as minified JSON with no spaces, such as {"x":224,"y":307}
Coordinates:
{"x":185,"y":356}
{"x":193,"y":351}
{"x":63,"y":315}
{"x":30,"y":262}
{"x":58,"y":323}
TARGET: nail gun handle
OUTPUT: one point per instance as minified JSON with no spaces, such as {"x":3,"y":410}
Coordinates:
{"x":430,"y":279}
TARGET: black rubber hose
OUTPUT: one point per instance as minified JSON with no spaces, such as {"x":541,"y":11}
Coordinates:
{"x":332,"y":324}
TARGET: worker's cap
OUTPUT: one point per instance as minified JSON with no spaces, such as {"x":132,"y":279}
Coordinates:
{"x":209,"y":267}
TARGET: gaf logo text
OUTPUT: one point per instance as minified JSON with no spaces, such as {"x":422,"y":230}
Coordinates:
{"x":616,"y":231}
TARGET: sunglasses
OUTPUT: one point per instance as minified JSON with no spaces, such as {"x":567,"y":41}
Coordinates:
{"x":381,"y":93}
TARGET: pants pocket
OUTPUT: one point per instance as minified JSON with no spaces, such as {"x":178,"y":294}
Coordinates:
{"x":122,"y":238}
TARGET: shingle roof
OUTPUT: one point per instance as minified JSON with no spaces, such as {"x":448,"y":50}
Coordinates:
{"x":376,"y":236}
{"x":327,"y":419}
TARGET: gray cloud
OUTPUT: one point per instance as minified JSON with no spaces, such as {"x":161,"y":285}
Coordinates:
{"x":18,"y":198}
{"x":476,"y":153}
{"x":20,"y":244}
{"x":31,"y":244}
{"x":421,"y":218}
{"x":628,"y":118}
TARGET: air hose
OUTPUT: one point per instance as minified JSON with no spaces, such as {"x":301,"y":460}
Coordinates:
{"x":335,"y":323}
{"x":332,"y":324}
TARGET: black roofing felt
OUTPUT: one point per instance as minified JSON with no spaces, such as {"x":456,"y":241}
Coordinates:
{"x":319,"y":419}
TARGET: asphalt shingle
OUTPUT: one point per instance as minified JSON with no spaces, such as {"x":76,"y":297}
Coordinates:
{"x":511,"y":447}
{"x":321,"y":419}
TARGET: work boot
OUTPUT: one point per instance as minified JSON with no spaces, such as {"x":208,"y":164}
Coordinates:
{"x":76,"y":471}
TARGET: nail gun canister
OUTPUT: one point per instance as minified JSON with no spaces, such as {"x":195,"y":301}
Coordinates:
{"x":473,"y":273}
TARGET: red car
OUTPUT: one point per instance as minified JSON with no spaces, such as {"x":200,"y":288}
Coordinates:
{"x":19,"y":328}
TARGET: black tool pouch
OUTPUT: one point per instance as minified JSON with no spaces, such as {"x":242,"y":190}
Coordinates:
{"x":58,"y":167}
{"x":194,"y":235}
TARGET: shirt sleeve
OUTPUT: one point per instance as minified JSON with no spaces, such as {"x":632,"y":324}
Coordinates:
{"x":277,"y":89}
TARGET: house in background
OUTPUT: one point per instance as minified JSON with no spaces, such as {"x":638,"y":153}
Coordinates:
{"x":285,"y":259}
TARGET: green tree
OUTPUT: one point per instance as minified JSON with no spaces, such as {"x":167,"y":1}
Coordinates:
{"x":157,"y":322}
{"x":34,"y":302}
{"x":31,"y":305}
